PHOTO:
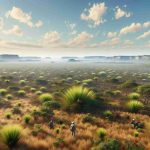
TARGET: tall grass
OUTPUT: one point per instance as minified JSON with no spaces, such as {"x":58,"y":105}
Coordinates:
{"x":134,"y":96}
{"x":45,"y":97}
{"x":78,"y":96}
{"x":101,"y":132}
{"x":134,"y":106}
{"x":11,"y":134}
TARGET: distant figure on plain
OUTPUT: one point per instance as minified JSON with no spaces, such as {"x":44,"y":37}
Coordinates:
{"x":137,"y":124}
{"x":73,"y":128}
{"x":51,"y":123}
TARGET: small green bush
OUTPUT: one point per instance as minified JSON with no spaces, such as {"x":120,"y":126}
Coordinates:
{"x":57,"y":130}
{"x":87,"y":118}
{"x":22,"y":82}
{"x":9,"y":96}
{"x":102,"y":74}
{"x":8,"y":115}
{"x":136,"y":134}
{"x":16,"y":110}
{"x":134,"y":96}
{"x":63,"y":126}
{"x":134,"y":106}
{"x":108,"y":113}
{"x":111,"y":144}
{"x":58,"y":142}
{"x":43,"y":89}
{"x":27,"y":118}
{"x":45,"y":97}
{"x":38,"y":92}
{"x":101,"y":132}
{"x":11,"y":134}
{"x":33,"y":90}
{"x":21,"y":93}
{"x":52,"y":104}
{"x":3,"y":92}
{"x":117,"y":93}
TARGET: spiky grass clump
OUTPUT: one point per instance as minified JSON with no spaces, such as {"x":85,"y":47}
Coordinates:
{"x":134,"y":96}
{"x":108,"y":114}
{"x":134,"y":106}
{"x":27,"y":118}
{"x":11,"y":134}
{"x":9,"y":96}
{"x":21,"y":93}
{"x":8,"y":115}
{"x":22,"y":82}
{"x":79,"y":97}
{"x":33,"y":90}
{"x":101,"y":132}
{"x":3,"y":92}
{"x":46,"y":97}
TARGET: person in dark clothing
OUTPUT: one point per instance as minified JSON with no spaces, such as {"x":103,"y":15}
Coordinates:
{"x":51,"y":123}
{"x":137,"y":124}
{"x":73,"y":128}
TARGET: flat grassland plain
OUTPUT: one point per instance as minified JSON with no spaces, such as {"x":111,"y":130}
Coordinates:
{"x":102,"y":100}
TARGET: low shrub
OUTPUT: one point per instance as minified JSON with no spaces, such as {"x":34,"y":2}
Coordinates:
{"x":108,"y":114}
{"x":11,"y":134}
{"x":52,"y":104}
{"x":38,"y":92}
{"x":136,"y":133}
{"x":101,"y":132}
{"x":135,"y":106}
{"x":22,"y":82}
{"x":102,"y":74}
{"x":33,"y":90}
{"x":58,"y":142}
{"x":79,"y":98}
{"x":9,"y":96}
{"x":27,"y":118}
{"x":87,"y":118}
{"x":134,"y":96}
{"x":21,"y":93}
{"x":45,"y":97}
{"x":3,"y":92}
{"x":16,"y":110}
{"x":43,"y":89}
{"x":111,"y":144}
{"x":63,"y":126}
{"x":57,"y":130}
{"x":8,"y":115}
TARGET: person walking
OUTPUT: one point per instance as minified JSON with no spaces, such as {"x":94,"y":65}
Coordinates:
{"x":73,"y":128}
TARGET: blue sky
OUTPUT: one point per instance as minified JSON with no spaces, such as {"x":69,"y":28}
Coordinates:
{"x":75,"y":27}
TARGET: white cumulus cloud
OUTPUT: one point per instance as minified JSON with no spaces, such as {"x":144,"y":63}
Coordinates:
{"x":119,"y":13}
{"x":111,"y":34}
{"x":80,"y":39}
{"x":144,"y":35}
{"x":146,"y":24}
{"x":15,"y":30}
{"x":51,"y":37}
{"x":111,"y":42}
{"x":95,"y":13}
{"x":131,"y":28}
{"x":21,"y":16}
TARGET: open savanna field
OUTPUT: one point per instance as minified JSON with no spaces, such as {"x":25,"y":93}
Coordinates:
{"x":101,"y":98}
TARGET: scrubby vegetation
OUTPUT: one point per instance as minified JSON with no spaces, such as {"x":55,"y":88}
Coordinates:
{"x":135,"y":106}
{"x":79,"y":98}
{"x":101,"y":99}
{"x":11,"y":134}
